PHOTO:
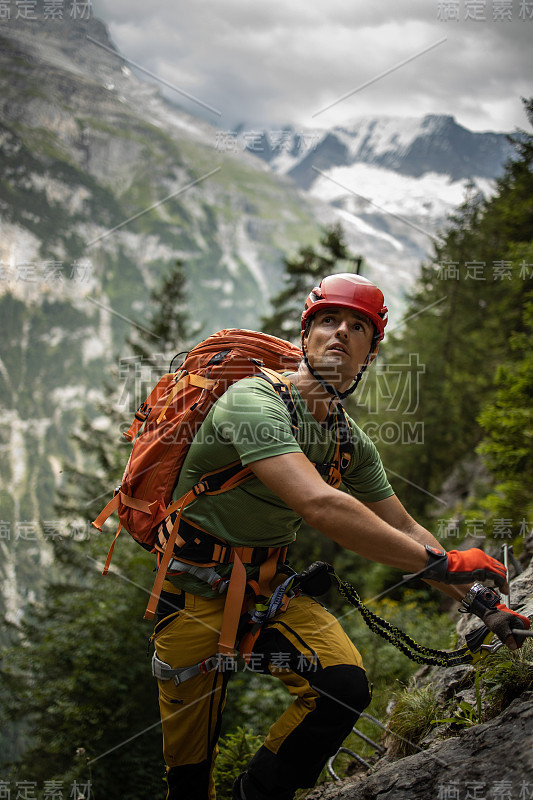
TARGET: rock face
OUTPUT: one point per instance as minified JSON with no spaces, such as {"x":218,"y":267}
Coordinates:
{"x":490,"y":761}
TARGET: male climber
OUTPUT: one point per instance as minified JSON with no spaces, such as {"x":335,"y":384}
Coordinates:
{"x":343,"y":323}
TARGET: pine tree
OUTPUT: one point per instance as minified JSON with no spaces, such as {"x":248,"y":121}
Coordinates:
{"x":302,"y":272}
{"x":507,"y":447}
{"x":78,"y":673}
{"x":170,"y":327}
{"x":460,"y":320}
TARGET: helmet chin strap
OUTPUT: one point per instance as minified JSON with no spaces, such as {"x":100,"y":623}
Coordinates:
{"x":327,"y":386}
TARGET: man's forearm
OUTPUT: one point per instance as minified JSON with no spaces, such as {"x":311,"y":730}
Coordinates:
{"x":379,"y":537}
{"x":355,"y":527}
{"x":359,"y":529}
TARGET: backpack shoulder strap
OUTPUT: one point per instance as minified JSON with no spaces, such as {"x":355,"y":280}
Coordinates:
{"x":282,"y":386}
{"x":344,"y":448}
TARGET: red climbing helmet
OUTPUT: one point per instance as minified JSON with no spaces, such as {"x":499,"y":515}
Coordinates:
{"x":348,"y":291}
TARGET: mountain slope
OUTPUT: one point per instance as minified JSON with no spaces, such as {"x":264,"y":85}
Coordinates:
{"x":104,"y":186}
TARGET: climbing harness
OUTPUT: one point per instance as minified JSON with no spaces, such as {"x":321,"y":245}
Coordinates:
{"x":315,"y":581}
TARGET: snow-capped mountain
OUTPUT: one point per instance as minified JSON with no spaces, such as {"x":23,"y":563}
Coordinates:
{"x":411,"y":146}
{"x":392,"y":181}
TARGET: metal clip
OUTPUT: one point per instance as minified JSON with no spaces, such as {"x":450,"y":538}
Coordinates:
{"x":492,"y":648}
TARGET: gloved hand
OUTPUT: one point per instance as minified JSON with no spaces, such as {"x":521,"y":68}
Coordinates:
{"x":463,"y":566}
{"x":501,"y":621}
{"x":485,"y":604}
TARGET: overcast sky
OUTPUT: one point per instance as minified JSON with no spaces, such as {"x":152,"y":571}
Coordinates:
{"x":284,"y":61}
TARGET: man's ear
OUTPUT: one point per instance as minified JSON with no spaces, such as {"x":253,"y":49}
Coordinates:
{"x":373,"y":354}
{"x":305,"y":334}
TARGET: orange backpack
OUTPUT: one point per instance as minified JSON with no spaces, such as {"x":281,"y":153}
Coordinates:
{"x":170,"y":418}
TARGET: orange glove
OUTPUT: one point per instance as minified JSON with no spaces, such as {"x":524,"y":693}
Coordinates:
{"x":463,"y":566}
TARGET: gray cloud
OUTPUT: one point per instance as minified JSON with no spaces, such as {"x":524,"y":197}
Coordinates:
{"x":275,"y":63}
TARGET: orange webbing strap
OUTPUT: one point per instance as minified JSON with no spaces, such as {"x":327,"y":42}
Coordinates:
{"x":232,"y":607}
{"x":106,"y":512}
{"x":131,"y":502}
{"x":110,"y":551}
{"x":267,"y":571}
{"x":187,"y":380}
{"x":334,"y":476}
{"x":148,"y":404}
{"x":245,"y":474}
{"x":167,"y":555}
{"x":120,"y":497}
{"x":181,"y":384}
{"x":277,"y":377}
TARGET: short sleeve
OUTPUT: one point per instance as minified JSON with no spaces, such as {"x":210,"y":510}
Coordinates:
{"x":254,"y":420}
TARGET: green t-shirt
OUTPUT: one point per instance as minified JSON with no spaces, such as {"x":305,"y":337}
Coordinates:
{"x":248,"y":423}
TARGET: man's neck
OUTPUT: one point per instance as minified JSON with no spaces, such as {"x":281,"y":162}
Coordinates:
{"x":319,"y":402}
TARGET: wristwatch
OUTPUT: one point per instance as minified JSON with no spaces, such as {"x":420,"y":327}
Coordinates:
{"x":479,"y":599}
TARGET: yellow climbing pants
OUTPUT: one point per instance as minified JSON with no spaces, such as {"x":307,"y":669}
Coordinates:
{"x":306,"y":648}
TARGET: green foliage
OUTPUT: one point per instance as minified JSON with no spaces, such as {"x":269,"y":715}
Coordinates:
{"x":459,"y":323}
{"x":506,"y":675}
{"x":497,"y":680}
{"x":414,"y":712}
{"x":254,"y":702}
{"x":236,"y":750}
{"x":385,"y":664}
{"x":169,"y":324}
{"x":508,"y":424}
{"x":79,"y":676}
{"x":465,"y":713}
{"x":80,"y":701}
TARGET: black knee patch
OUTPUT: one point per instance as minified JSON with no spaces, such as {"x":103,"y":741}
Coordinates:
{"x":344,"y":691}
{"x":190,"y":781}
{"x":343,"y":694}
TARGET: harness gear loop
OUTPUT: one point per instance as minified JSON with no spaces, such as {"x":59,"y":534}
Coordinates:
{"x":164,"y":672}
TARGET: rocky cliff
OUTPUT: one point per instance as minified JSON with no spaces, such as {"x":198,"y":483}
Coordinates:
{"x":491,"y":760}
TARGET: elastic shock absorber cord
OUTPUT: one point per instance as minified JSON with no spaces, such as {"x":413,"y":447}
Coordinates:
{"x":414,"y":651}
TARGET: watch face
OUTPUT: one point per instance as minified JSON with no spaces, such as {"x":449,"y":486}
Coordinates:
{"x":483,"y":595}
{"x":490,"y":596}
